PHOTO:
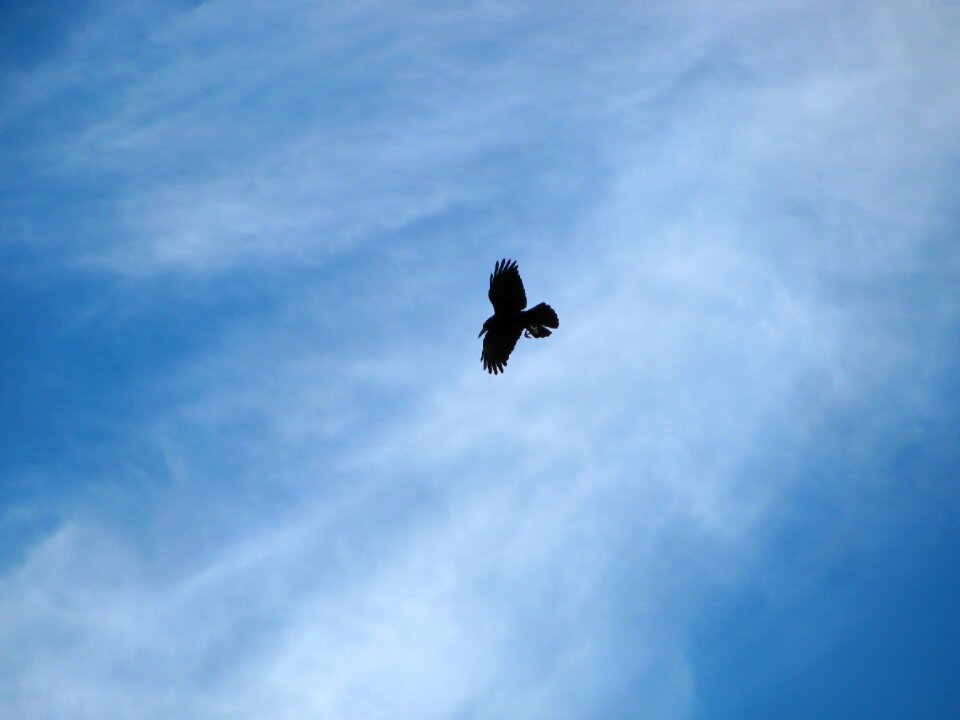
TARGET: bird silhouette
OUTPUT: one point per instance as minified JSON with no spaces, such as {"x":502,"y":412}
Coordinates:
{"x":510,"y":319}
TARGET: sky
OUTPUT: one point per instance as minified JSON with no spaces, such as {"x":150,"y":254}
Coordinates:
{"x":250,"y":464}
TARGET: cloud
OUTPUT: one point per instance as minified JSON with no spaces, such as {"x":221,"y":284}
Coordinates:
{"x":305,"y":133}
{"x":740,"y":217}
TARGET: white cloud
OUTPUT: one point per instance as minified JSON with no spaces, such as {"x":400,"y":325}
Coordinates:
{"x":352,"y":519}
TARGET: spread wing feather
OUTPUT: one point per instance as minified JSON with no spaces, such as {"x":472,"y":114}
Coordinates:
{"x":497,"y":346}
{"x":506,"y":288}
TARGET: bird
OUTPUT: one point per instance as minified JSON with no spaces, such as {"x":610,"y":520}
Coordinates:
{"x":510,"y":319}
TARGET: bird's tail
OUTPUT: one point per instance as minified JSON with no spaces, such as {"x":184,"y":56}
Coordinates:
{"x":539,"y":318}
{"x":543,"y":314}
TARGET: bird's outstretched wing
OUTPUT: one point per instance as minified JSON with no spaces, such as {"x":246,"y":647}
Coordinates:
{"x":497,"y":346}
{"x":506,"y":289}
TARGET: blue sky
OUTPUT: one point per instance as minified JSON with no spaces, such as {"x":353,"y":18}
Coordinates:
{"x":250,"y":465}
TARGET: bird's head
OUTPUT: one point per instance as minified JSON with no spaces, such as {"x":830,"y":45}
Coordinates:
{"x":486,"y":327}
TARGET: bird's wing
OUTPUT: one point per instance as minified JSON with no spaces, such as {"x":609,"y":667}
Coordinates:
{"x":506,"y":288}
{"x":497,"y":346}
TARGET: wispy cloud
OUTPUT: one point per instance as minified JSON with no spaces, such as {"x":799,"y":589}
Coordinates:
{"x":327,"y":509}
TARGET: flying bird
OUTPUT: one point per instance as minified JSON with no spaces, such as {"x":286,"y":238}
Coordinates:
{"x":510,"y":319}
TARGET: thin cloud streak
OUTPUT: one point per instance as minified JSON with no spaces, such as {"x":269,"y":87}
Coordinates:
{"x":347,"y":518}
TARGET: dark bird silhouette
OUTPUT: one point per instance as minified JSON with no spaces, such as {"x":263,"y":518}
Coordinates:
{"x":509,"y":319}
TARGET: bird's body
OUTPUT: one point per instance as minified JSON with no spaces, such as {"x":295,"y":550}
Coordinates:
{"x":510,"y":319}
